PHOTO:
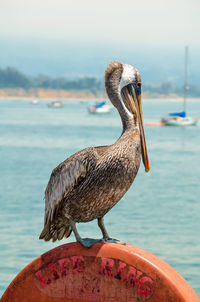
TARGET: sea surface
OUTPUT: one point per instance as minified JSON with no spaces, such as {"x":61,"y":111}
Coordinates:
{"x":160,"y":213}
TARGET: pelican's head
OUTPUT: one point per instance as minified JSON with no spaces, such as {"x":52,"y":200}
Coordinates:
{"x":123,"y":85}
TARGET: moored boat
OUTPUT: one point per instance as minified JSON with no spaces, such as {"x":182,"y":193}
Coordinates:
{"x":55,"y":104}
{"x":180,"y":119}
{"x":101,"y":107}
{"x":34,"y":102}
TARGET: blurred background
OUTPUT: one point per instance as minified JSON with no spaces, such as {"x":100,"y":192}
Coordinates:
{"x":57,"y":51}
{"x":73,"y":39}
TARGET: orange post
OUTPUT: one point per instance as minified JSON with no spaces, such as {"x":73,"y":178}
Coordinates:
{"x":106,"y":272}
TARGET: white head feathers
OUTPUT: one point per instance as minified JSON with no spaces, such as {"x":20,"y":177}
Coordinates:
{"x":129,"y":75}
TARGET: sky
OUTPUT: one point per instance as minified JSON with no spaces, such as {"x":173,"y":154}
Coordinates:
{"x":144,"y":21}
{"x":37,"y":33}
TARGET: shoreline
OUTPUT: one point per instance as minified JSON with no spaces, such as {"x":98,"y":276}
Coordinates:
{"x":66,"y":95}
{"x":94,"y":99}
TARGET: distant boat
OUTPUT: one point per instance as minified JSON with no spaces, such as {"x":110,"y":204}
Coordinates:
{"x":34,"y":102}
{"x":100,"y":107}
{"x":179,"y":118}
{"x":55,"y":104}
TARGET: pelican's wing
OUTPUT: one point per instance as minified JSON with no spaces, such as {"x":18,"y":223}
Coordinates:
{"x":65,"y":177}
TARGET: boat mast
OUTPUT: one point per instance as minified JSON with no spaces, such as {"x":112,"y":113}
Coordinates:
{"x":185,"y":78}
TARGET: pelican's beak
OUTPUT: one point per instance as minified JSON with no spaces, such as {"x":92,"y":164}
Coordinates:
{"x":131,"y":96}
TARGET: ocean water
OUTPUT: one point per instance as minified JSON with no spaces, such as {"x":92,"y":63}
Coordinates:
{"x":160,"y":213}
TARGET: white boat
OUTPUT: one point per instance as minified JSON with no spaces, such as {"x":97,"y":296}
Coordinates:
{"x":101,"y":107}
{"x":34,"y":102}
{"x":55,"y":104}
{"x":180,"y":119}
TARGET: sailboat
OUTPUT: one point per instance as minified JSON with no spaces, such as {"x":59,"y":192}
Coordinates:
{"x":100,"y":107}
{"x":180,"y":118}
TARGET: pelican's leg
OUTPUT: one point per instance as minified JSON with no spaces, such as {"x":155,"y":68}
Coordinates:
{"x":74,"y":229}
{"x":106,"y":237}
{"x":103,"y":229}
{"x":86,"y":242}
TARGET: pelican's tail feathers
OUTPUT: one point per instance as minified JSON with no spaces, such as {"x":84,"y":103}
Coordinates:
{"x":55,"y":231}
{"x":68,"y":231}
{"x":44,"y":232}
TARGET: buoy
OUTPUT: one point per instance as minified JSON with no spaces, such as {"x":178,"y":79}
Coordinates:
{"x":106,"y":272}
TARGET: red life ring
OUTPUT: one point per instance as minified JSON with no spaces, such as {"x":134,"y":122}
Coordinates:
{"x":105,"y":272}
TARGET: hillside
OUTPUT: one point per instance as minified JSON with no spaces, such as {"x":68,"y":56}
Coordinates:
{"x":14,"y":83}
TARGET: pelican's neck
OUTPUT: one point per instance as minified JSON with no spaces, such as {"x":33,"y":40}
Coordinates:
{"x":129,"y":124}
{"x":130,"y":129}
{"x":129,"y":120}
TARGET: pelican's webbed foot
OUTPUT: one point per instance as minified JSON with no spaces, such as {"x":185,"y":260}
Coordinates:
{"x":88,"y":242}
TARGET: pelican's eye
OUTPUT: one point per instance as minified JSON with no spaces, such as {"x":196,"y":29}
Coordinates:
{"x":138,"y":87}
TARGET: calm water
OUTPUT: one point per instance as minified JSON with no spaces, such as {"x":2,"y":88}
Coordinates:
{"x":160,"y":213}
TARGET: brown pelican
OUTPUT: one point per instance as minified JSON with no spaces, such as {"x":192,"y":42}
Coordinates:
{"x":89,"y":183}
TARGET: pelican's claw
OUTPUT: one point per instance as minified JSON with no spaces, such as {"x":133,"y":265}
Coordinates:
{"x":113,"y":240}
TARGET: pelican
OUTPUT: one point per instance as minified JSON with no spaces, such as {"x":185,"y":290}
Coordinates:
{"x":90,"y":182}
